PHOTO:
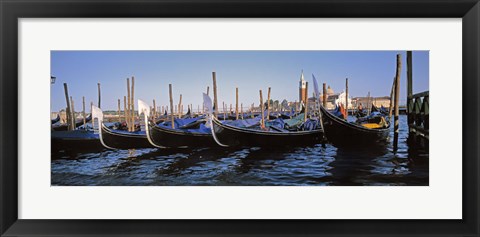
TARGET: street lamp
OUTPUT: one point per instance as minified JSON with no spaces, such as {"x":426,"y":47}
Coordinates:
{"x":52,"y":80}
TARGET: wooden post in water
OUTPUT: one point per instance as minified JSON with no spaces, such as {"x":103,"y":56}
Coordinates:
{"x":118,"y":110}
{"x":223,"y":107}
{"x":83,"y":112}
{"x":346,"y":95}
{"x":397,"y":101}
{"x":241,"y":109}
{"x":251,"y":110}
{"x":125,"y":108}
{"x":392,"y":92}
{"x":268,"y":103}
{"x":67,"y":112}
{"x":236,"y":103}
{"x":73,"y":113}
{"x":133,"y":104}
{"x":306,"y":102}
{"x":171,"y":105}
{"x":99,"y":95}
{"x":409,"y":87}
{"x":369,"y":106}
{"x":325,"y":95}
{"x":180,"y":107}
{"x":262,"y":109}
{"x":154,"y":110}
{"x":128,"y":106}
{"x":215,"y":99}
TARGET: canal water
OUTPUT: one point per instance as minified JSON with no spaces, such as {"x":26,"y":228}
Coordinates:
{"x":253,"y":166}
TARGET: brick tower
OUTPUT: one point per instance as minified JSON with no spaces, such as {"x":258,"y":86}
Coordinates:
{"x":302,"y":94}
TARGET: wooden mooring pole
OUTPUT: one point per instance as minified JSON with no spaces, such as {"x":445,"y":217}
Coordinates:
{"x":128,"y":106}
{"x":241,"y":109}
{"x":346,"y":96}
{"x":261,"y":112}
{"x":132,"y":104}
{"x":125,"y":108}
{"x":83,"y":112}
{"x":268,"y":103}
{"x":118,"y":110}
{"x":409,"y":88}
{"x":171,"y":105}
{"x":67,"y":112}
{"x":223,"y":107}
{"x":325,"y":95}
{"x":392,"y":92}
{"x":180,"y":107}
{"x":215,"y":99}
{"x":236,"y":103}
{"x":369,"y":106}
{"x":397,"y":101}
{"x":154,"y":110}
{"x":99,"y":95}
{"x":73,"y":113}
{"x":306,"y":102}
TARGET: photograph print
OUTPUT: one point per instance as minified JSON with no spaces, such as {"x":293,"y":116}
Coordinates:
{"x":239,"y":118}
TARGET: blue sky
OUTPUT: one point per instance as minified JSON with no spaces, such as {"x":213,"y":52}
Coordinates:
{"x":190,"y":72}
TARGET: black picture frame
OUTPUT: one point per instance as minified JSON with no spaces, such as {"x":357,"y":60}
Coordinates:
{"x":11,"y":11}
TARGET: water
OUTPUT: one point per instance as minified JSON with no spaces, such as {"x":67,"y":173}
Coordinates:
{"x":315,"y":165}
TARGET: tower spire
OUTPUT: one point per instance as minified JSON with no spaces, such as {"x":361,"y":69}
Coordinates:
{"x":302,"y":78}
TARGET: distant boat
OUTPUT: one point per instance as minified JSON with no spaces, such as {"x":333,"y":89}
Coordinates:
{"x":342,"y":133}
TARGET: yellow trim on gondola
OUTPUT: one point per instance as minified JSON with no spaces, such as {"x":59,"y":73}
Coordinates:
{"x":381,"y":124}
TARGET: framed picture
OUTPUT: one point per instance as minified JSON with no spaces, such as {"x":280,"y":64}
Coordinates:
{"x":239,"y":118}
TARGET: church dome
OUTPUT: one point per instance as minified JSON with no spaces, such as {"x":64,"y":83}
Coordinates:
{"x":330,"y":91}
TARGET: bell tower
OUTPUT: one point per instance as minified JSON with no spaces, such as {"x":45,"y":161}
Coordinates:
{"x":302,"y":95}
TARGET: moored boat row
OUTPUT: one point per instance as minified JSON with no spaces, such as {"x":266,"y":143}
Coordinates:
{"x":209,"y":130}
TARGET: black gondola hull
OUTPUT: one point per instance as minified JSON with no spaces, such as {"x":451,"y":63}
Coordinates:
{"x":344,"y":134}
{"x":77,"y":140}
{"x":123,"y":140}
{"x":175,"y":138}
{"x":238,"y":137}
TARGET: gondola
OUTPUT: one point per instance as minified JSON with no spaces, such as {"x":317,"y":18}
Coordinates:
{"x":246,"y":135}
{"x":163,"y":136}
{"x":342,"y":133}
{"x":78,"y":123}
{"x":76,"y":140}
{"x":232,"y":136}
{"x":118,"y":139}
{"x":56,"y":119}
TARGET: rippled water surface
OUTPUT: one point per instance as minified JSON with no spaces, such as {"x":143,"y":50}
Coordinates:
{"x":315,"y":165}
